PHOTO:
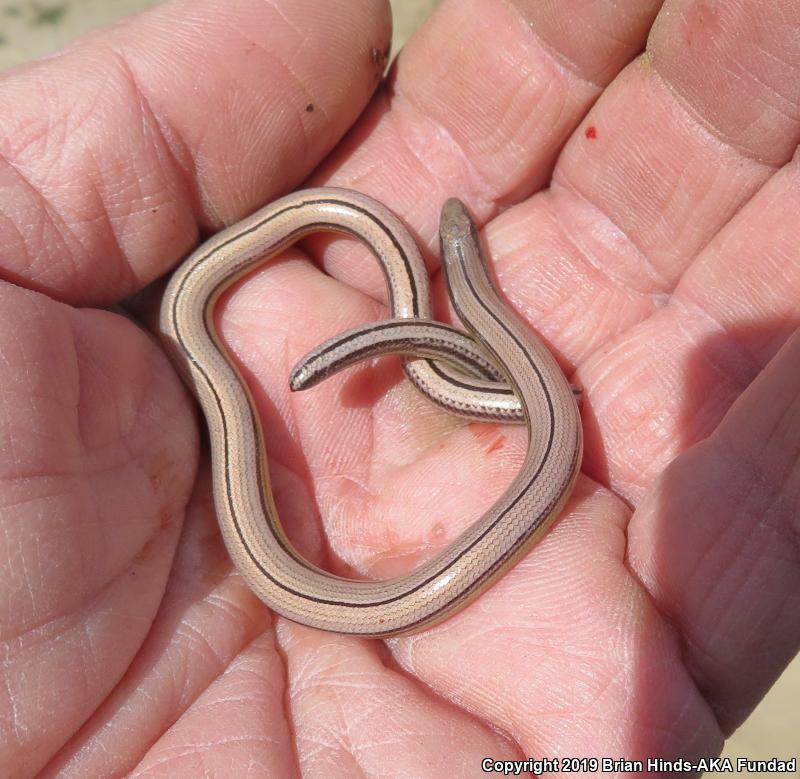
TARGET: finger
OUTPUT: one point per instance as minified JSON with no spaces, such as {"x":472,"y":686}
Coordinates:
{"x":684,"y":138}
{"x":98,"y":452}
{"x":114,"y":153}
{"x":667,"y":383}
{"x":478,"y":106}
{"x":716,"y":544}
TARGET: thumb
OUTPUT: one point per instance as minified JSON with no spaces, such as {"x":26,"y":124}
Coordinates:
{"x":117,"y":152}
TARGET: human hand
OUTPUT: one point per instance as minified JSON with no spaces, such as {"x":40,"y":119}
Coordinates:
{"x":659,"y":265}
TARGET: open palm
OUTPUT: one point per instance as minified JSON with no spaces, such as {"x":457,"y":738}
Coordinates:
{"x":660,"y":263}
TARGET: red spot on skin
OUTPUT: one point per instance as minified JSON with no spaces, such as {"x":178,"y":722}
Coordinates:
{"x":484,"y":431}
{"x":381,"y":620}
{"x":591,"y":132}
{"x":488,"y":434}
{"x":497,"y":444}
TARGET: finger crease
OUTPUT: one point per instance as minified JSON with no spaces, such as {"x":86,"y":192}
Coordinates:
{"x":696,"y":116}
{"x":561,"y":60}
{"x":443,"y":133}
{"x":659,"y":283}
{"x":73,"y":244}
{"x":166,"y":139}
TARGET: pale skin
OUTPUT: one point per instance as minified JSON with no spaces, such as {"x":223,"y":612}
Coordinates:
{"x":658,"y":258}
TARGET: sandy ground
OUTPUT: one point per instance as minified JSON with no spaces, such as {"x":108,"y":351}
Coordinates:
{"x":32,"y":27}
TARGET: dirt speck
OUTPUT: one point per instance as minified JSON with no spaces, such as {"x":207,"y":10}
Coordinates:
{"x":379,"y":56}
